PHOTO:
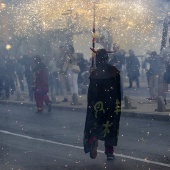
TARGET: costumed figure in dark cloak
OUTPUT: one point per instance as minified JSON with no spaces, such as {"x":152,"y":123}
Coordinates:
{"x":104,"y":107}
{"x":40,"y":85}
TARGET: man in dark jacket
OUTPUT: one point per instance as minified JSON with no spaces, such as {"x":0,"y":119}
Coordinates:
{"x":118,"y":59}
{"x":9,"y":76}
{"x":153,"y":72}
{"x":133,"y":67}
{"x":104,"y":107}
{"x":40,"y":85}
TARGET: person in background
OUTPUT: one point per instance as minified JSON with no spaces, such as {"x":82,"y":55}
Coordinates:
{"x":146,"y":66}
{"x":2,"y":76}
{"x":62,"y":66}
{"x":53,"y":75}
{"x":40,"y":85}
{"x":9,"y":79}
{"x":85,"y":77}
{"x":165,"y":58}
{"x":153,"y":73}
{"x":133,"y":66}
{"x":104,"y":107}
{"x":118,"y":60}
{"x":28,"y":63}
{"x":81,"y":62}
{"x":72,"y":72}
{"x":20,"y":74}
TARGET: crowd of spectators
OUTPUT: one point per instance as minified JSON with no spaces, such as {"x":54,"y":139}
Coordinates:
{"x":69,"y":72}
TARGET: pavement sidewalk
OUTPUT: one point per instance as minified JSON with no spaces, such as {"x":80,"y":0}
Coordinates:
{"x":144,"y":108}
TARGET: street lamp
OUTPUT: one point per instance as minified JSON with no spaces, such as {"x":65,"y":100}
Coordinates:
{"x":69,"y":25}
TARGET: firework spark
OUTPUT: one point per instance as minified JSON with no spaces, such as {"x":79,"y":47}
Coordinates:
{"x":130,"y":22}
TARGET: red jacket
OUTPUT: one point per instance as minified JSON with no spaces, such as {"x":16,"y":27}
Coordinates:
{"x":41,"y":78}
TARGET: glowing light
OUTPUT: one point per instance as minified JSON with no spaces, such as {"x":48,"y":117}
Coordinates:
{"x":2,"y":6}
{"x":8,"y":46}
{"x":33,"y":14}
{"x":124,"y":19}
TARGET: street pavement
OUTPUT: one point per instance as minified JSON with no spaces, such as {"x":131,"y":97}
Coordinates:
{"x":141,"y":107}
{"x":54,"y":141}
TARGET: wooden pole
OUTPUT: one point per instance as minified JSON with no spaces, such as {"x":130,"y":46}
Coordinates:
{"x":93,"y":33}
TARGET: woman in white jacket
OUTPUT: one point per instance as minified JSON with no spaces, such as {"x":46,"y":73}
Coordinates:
{"x":72,"y":72}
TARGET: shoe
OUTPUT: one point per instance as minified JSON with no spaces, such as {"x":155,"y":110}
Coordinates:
{"x":150,"y":98}
{"x":165,"y":101}
{"x":110,"y":156}
{"x":49,"y":107}
{"x":75,"y":99}
{"x":93,"y":148}
{"x":65,"y":100}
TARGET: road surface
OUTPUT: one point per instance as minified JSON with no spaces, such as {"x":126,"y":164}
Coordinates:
{"x":53,"y":141}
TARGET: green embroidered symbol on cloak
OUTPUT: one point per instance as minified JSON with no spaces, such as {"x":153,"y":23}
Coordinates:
{"x":106,"y":128}
{"x":98,"y":107}
{"x":117,"y":109}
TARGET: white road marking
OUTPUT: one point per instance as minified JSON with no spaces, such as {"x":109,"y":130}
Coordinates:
{"x":79,"y":147}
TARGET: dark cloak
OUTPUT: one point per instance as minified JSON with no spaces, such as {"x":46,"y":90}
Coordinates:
{"x":103,"y":106}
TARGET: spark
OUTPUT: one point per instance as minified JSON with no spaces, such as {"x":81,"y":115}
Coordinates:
{"x":124,"y":19}
{"x":8,"y":46}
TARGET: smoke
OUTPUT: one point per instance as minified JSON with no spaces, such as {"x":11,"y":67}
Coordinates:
{"x":135,"y":24}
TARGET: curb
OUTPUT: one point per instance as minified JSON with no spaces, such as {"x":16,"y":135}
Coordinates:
{"x":130,"y":114}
